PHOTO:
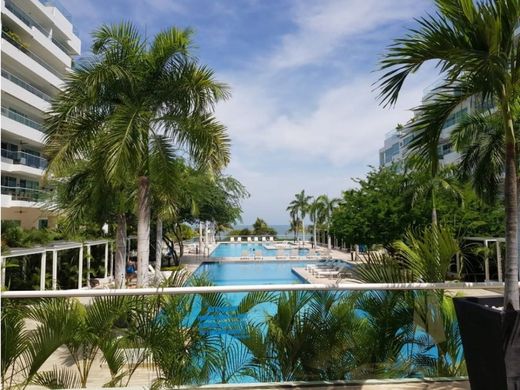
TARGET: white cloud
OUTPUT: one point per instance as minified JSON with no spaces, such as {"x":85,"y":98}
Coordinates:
{"x":346,"y":126}
{"x":324,"y":26}
{"x":337,"y":128}
{"x":272,"y":190}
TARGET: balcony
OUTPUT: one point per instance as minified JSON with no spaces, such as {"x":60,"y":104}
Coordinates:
{"x":21,"y":118}
{"x":25,"y":85}
{"x":33,"y":56}
{"x":23,"y":158}
{"x":30,"y":22}
{"x":66,"y":14}
{"x":23,"y":194}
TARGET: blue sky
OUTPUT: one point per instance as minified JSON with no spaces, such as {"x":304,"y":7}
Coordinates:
{"x":303,"y":114}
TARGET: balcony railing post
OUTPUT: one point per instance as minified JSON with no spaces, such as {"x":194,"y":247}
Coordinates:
{"x":43,"y":270}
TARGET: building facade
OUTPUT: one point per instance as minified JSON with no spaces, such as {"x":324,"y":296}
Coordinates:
{"x":396,"y":142}
{"x":39,"y":42}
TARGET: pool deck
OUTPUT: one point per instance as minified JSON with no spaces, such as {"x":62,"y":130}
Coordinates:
{"x":192,"y":262}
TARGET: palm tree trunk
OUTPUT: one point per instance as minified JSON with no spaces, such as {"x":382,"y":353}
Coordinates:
{"x":120,"y":259}
{"x":143,"y":230}
{"x":158,"y":247}
{"x":303,"y":231}
{"x":329,"y":239}
{"x":314,"y":235}
{"x":434,"y":209}
{"x":511,"y":292}
{"x":518,"y":223}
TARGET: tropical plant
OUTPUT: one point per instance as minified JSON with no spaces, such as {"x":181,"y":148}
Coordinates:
{"x":145,"y":97}
{"x":430,"y":183}
{"x":479,"y":138}
{"x":300,"y":206}
{"x":83,"y":194}
{"x":14,"y":342}
{"x":327,"y":206}
{"x":316,"y":215}
{"x":476,"y":47}
{"x":423,"y":257}
{"x":295,"y":224}
{"x":260,"y":227}
{"x":428,"y":255}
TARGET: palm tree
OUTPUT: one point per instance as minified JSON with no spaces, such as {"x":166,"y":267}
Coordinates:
{"x":295,"y":223}
{"x":300,"y":206}
{"x":476,"y":47}
{"x":145,"y":95}
{"x":429,"y":183}
{"x":83,"y":194}
{"x":328,"y":206}
{"x":479,"y":138}
{"x":316,"y":214}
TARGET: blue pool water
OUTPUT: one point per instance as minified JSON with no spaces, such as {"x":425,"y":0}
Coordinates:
{"x":240,"y":273}
{"x":237,"y":250}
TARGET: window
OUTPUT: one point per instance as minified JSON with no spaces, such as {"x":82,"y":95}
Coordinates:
{"x":32,"y":158}
{"x":33,"y":185}
{"x":455,"y":118}
{"x":9,"y":146}
{"x":43,"y":224}
{"x":8,"y":181}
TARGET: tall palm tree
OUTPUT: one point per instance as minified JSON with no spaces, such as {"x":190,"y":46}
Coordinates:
{"x":429,"y":183}
{"x":477,"y":50}
{"x":316,"y":214}
{"x":83,"y":194}
{"x":145,"y":95}
{"x":479,"y":138}
{"x":328,"y":206}
{"x":295,"y":224}
{"x":300,"y":205}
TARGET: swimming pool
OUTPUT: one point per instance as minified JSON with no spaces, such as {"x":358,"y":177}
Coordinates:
{"x":238,"y":250}
{"x":248,"y":273}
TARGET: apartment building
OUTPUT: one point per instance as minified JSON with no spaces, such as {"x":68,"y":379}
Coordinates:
{"x":396,"y":141}
{"x":38,"y":44}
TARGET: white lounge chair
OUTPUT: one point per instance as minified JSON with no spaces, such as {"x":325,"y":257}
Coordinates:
{"x":320,"y":264}
{"x":239,"y":239}
{"x":248,"y":239}
{"x":271,"y":238}
{"x":232,"y":239}
{"x":320,"y":268}
{"x":264,"y":239}
{"x":245,"y":255}
{"x":336,"y":272}
{"x":327,"y":273}
{"x":256,"y":239}
{"x":257,"y":255}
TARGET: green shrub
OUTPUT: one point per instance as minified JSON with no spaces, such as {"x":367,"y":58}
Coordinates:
{"x":172,"y":268}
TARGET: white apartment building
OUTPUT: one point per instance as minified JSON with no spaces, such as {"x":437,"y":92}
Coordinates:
{"x":38,"y":43}
{"x":396,"y":141}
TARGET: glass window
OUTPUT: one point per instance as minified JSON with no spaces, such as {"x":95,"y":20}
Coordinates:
{"x":8,"y":181}
{"x":43,"y":224}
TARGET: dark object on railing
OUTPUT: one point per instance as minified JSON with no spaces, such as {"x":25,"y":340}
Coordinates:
{"x":491,"y":341}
